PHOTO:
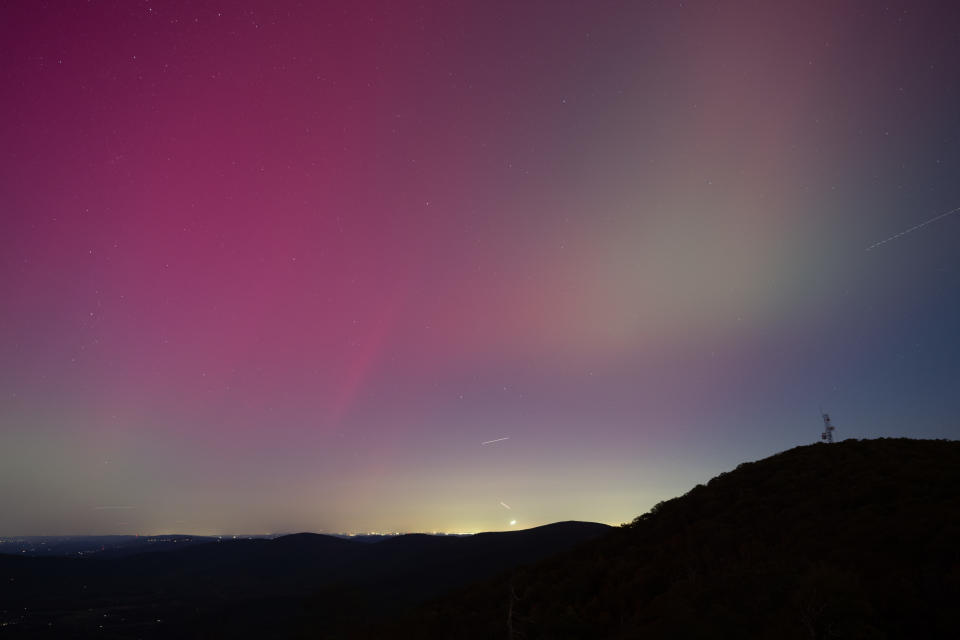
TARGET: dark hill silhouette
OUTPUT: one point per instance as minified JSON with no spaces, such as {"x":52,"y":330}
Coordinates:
{"x":314,"y":583}
{"x":859,"y":539}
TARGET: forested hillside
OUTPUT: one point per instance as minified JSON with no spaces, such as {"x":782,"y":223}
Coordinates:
{"x":857,"y":539}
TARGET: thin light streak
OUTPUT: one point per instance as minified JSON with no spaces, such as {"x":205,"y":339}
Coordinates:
{"x":914,"y":228}
{"x":497,"y":440}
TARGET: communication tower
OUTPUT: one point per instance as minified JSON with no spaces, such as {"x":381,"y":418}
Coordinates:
{"x":827,"y":435}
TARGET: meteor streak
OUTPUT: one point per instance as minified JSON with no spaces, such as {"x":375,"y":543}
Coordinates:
{"x":497,"y":440}
{"x":914,"y":228}
{"x":505,"y":504}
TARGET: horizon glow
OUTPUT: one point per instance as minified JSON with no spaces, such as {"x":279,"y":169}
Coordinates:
{"x":370,"y":267}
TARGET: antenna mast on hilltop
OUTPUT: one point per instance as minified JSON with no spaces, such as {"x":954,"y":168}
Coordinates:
{"x":827,"y":435}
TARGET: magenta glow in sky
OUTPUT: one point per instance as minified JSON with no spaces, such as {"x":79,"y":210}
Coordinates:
{"x":272,"y":266}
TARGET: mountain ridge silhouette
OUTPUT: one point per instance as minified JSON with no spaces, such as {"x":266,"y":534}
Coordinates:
{"x":854,"y":539}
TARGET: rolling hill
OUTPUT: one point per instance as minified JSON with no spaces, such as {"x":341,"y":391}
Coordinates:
{"x":309,"y":583}
{"x":859,"y":539}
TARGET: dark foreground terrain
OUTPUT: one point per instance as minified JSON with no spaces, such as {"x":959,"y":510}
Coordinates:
{"x":306,"y":585}
{"x":851,"y":540}
{"x":859,"y":539}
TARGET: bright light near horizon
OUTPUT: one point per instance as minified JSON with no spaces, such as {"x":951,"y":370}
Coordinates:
{"x":513,"y":522}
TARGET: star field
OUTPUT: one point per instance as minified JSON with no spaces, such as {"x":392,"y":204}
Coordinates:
{"x":338,"y":266}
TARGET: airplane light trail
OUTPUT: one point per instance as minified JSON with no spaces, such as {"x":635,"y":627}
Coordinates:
{"x":505,"y":504}
{"x":497,"y":440}
{"x":914,"y":228}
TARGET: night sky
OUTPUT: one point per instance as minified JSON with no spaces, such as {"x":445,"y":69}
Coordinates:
{"x":280,"y":266}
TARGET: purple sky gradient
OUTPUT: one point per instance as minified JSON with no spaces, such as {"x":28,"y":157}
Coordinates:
{"x":276,"y":266}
